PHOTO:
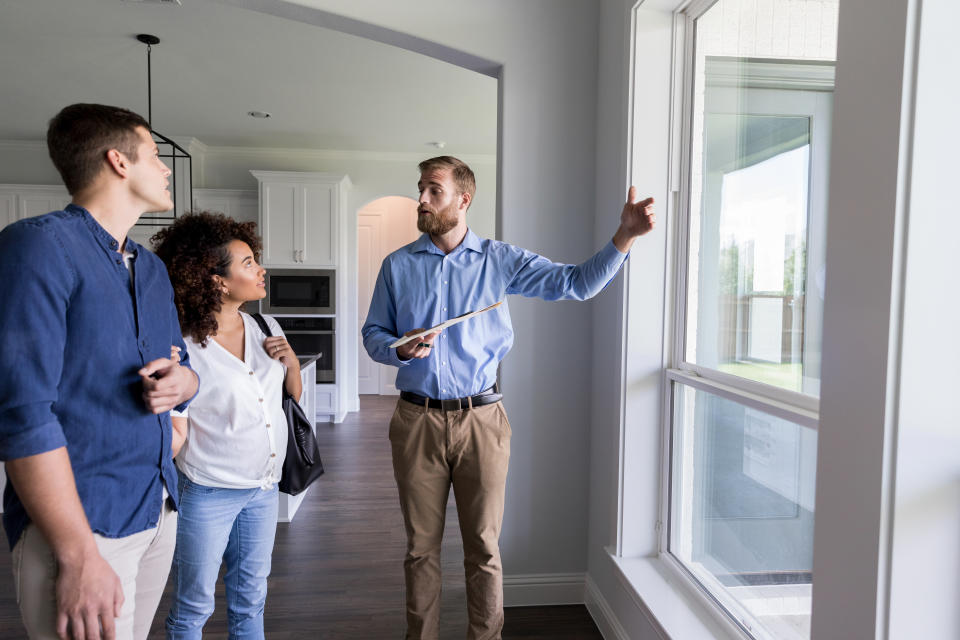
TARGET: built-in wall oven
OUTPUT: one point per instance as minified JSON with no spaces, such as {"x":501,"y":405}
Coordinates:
{"x":300,"y":291}
{"x":311,"y":336}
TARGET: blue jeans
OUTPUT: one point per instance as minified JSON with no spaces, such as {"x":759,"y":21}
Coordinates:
{"x":237,"y":526}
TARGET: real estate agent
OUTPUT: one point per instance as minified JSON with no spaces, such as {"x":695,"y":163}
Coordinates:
{"x":450,"y":427}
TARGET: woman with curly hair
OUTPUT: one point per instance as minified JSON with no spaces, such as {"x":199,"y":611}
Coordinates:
{"x":234,"y":433}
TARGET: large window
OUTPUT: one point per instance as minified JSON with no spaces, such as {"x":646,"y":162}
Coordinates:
{"x":745,"y":367}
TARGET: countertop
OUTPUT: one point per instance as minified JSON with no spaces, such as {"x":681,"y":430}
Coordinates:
{"x":306,"y":361}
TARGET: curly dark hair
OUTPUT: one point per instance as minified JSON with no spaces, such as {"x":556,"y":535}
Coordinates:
{"x":194,"y":248}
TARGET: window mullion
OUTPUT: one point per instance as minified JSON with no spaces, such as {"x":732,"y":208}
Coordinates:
{"x":765,"y":402}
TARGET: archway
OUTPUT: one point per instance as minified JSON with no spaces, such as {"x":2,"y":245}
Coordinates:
{"x":383,"y":226}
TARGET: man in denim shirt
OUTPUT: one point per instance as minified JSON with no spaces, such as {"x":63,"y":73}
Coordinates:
{"x":87,"y":378}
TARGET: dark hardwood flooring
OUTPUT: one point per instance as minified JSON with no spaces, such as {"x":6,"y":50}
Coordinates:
{"x":337,"y":571}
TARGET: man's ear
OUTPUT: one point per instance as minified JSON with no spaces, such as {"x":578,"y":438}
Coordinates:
{"x":117,"y":162}
{"x":465,"y":199}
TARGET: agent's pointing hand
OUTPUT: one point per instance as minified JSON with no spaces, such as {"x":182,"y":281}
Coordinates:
{"x":636,"y":219}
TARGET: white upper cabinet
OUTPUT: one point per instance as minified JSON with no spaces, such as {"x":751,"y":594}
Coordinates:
{"x":300,"y":217}
{"x":19,"y":201}
{"x":239,"y":204}
{"x":40,"y":200}
{"x":8,"y":208}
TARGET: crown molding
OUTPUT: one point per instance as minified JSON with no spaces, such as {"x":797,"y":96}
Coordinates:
{"x":404,"y":157}
{"x":199,"y":149}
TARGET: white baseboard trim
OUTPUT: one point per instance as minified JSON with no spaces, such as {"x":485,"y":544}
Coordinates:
{"x":542,"y":589}
{"x":602,"y":614}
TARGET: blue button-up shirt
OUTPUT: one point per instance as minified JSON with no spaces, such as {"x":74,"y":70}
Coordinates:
{"x":72,"y":338}
{"x":420,"y":286}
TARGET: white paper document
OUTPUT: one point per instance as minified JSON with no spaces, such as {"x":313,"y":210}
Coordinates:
{"x":443,"y":325}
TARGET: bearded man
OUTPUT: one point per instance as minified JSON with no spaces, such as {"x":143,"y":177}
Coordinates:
{"x":450,"y":427}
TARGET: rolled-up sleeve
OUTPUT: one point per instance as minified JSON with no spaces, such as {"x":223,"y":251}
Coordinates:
{"x":37,"y":283}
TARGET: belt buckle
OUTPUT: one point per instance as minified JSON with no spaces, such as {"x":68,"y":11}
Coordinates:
{"x":453,"y":404}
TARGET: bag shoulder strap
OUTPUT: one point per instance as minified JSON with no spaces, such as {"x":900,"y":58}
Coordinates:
{"x":263,"y":324}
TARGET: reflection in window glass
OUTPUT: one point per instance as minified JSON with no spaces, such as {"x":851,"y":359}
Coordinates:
{"x":763,"y":87}
{"x":742,"y":510}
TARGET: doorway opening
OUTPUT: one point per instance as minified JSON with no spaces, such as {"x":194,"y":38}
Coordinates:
{"x":383,"y":226}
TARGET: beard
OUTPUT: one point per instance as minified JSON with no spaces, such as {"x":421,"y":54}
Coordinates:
{"x":439,"y":222}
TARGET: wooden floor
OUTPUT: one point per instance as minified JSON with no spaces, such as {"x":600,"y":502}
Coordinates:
{"x":337,"y":571}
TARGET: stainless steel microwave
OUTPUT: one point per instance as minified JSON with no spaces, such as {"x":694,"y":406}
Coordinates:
{"x":295,"y":291}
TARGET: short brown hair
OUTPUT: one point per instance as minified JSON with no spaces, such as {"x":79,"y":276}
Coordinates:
{"x":462,"y":174}
{"x":194,"y":248}
{"x":80,"y":136}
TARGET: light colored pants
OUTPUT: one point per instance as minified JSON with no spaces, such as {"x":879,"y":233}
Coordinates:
{"x":141,"y":561}
{"x":218,"y":526}
{"x":469,"y":449}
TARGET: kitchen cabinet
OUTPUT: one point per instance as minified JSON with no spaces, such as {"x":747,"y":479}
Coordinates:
{"x":300,"y":217}
{"x":327,"y":402}
{"x":239,"y":204}
{"x":305,"y":222}
{"x":8,"y":209}
{"x":19,"y":201}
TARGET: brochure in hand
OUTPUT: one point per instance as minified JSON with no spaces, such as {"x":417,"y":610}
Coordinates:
{"x":442,"y":325}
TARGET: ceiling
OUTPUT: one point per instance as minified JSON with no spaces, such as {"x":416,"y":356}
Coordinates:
{"x":214,"y":63}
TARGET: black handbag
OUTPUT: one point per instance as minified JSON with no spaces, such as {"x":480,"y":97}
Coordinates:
{"x":302,"y":465}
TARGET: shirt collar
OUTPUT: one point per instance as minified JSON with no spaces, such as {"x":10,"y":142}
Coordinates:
{"x":102,"y":236}
{"x":424,"y":244}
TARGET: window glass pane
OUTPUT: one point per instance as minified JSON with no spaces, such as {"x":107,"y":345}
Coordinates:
{"x":763,"y":87}
{"x":741,"y":521}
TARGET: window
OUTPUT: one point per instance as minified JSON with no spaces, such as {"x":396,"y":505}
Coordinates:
{"x":745,"y":363}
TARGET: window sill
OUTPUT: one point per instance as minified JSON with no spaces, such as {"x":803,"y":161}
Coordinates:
{"x":672,"y":605}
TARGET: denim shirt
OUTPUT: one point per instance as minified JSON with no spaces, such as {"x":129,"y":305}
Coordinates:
{"x":419,"y":287}
{"x":72,"y":338}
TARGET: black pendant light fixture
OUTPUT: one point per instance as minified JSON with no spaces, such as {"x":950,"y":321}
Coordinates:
{"x":173,"y":155}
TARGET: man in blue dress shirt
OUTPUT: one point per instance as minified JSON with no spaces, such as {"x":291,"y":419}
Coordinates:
{"x":450,"y":428}
{"x":86,"y":383}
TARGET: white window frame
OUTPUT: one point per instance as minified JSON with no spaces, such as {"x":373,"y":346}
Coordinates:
{"x":870,"y":197}
{"x":794,"y":406}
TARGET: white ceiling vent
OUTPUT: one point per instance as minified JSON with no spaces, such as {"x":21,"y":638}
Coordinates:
{"x":176,"y":2}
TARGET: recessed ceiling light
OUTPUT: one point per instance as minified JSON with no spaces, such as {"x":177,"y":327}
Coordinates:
{"x":439,"y":144}
{"x":258,"y":114}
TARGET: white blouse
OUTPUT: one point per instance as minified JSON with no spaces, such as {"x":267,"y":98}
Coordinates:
{"x":236,"y":428}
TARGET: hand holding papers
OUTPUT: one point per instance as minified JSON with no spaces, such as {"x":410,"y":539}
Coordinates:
{"x":442,"y":325}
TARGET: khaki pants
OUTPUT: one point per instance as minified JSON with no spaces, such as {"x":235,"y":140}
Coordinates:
{"x":469,"y":449}
{"x":141,"y":561}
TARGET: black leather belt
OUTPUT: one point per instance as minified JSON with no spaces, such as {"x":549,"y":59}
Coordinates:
{"x":489,"y":396}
